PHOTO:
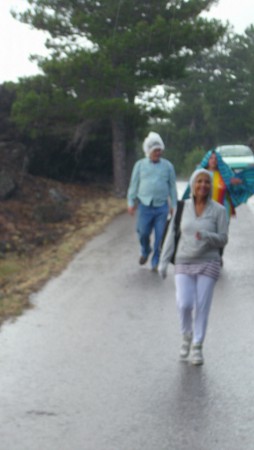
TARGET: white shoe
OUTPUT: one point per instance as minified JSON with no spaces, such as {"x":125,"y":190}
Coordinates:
{"x":196,"y":355}
{"x":185,"y":347}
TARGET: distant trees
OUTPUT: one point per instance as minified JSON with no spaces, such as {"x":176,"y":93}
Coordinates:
{"x":216,"y":99}
{"x":7,"y":98}
{"x":134,"y":45}
{"x":52,"y":126}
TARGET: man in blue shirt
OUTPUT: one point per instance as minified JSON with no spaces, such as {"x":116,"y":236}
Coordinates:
{"x":152,"y":191}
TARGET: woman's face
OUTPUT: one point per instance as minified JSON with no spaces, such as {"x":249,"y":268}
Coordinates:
{"x":212,"y":163}
{"x":202,"y":186}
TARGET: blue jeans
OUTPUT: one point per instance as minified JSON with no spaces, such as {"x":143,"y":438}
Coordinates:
{"x":151,"y":218}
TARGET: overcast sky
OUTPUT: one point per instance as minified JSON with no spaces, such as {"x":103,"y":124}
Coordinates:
{"x":18,"y":41}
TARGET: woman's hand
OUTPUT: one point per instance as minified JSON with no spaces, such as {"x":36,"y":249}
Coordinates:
{"x":163,"y":273}
{"x":235,"y":181}
{"x":162,"y":269}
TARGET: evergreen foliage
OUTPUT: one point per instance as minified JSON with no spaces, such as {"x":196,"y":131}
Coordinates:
{"x":216,"y":98}
{"x":134,"y":46}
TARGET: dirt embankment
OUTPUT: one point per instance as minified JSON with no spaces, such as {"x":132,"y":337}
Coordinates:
{"x":41,"y":228}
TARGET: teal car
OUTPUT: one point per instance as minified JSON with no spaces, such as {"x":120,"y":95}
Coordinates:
{"x":238,"y":157}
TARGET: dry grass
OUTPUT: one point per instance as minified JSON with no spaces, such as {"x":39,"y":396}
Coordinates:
{"x":23,"y":274}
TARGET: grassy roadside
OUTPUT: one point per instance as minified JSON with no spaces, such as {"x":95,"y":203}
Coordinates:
{"x":20,"y":276}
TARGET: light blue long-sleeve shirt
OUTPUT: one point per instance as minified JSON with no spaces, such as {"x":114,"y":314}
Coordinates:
{"x":152,"y":183}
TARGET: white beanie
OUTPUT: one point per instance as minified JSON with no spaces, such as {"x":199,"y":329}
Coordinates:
{"x":151,"y":142}
{"x":194,"y":176}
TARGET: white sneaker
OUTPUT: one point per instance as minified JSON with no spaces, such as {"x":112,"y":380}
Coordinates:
{"x":185,"y":347}
{"x":196,"y":355}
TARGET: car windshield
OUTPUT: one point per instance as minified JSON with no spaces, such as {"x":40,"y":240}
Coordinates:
{"x":235,"y":151}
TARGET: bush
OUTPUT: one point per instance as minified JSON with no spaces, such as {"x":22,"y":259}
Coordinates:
{"x":192,"y":160}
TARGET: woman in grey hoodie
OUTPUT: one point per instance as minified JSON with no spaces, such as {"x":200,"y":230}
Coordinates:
{"x":204,"y":230}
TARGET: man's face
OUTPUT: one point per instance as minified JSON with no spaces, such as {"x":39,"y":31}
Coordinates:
{"x":155,"y":155}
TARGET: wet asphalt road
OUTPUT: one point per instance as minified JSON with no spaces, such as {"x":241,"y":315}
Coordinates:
{"x":94,"y":365}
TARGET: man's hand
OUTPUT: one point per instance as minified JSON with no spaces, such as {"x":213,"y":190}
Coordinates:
{"x":131,"y":210}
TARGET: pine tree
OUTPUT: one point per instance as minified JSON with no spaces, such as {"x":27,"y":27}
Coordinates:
{"x":134,"y":46}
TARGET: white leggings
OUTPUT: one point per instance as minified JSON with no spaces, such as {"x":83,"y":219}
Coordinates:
{"x":193,"y":299}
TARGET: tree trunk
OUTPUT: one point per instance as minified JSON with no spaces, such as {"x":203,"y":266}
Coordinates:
{"x":119,"y":156}
{"x":131,"y":154}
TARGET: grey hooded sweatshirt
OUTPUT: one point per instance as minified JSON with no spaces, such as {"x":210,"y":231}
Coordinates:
{"x":212,"y":226}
